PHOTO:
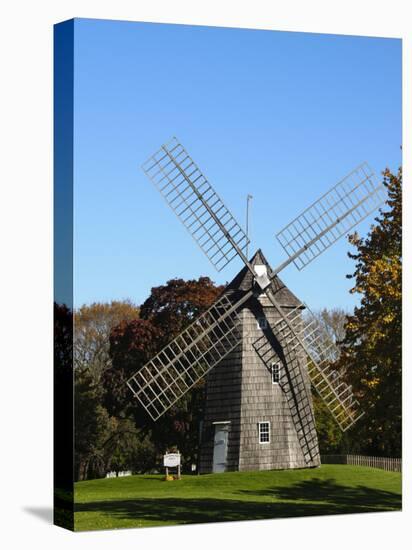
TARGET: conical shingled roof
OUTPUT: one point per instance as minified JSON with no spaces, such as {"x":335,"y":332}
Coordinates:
{"x":244,"y":280}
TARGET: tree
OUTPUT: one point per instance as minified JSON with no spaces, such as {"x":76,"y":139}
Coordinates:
{"x":96,"y":430}
{"x":63,"y":395}
{"x":92,"y":327}
{"x":333,"y":322}
{"x":371,"y":352}
{"x":168,"y":310}
{"x":105,"y":442}
{"x":173,"y":306}
{"x":132,"y":343}
{"x":330,"y":437}
{"x":112,"y":343}
{"x":130,"y":451}
{"x":92,"y":428}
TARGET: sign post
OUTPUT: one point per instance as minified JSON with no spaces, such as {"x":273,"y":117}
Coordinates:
{"x":172,"y":460}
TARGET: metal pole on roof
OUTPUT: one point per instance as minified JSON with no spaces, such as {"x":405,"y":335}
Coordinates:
{"x":248,"y":198}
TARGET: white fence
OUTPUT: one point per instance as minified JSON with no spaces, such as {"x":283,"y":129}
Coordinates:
{"x":119,"y":474}
{"x":384,"y":463}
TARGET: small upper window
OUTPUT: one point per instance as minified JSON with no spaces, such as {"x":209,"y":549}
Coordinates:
{"x":262,"y":323}
{"x":275,"y":368}
{"x":264,"y":432}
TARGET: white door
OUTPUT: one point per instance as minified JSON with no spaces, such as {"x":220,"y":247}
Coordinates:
{"x":220,"y":447}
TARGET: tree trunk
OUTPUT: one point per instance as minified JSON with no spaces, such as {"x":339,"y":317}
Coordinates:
{"x":82,"y":472}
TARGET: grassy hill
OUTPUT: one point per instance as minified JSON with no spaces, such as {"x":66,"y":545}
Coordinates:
{"x":148,"y":500}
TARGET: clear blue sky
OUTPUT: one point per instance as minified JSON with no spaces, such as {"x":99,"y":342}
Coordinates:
{"x":280,"y":115}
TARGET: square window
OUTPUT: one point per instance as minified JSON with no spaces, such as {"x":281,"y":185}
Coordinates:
{"x":275,"y":370}
{"x":264,"y":432}
{"x":262,"y":323}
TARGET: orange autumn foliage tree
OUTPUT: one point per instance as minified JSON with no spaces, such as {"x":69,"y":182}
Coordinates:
{"x":92,"y":327}
{"x":371,"y":350}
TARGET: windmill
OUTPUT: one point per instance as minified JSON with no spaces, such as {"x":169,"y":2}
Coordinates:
{"x":267,"y":346}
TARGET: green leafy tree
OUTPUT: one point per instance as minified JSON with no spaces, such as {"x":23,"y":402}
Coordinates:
{"x":130,"y":451}
{"x":331,"y":439}
{"x":372,"y":353}
{"x":93,"y":427}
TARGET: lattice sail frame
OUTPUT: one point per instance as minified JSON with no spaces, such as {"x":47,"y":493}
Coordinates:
{"x":332,"y":216}
{"x":202,"y":212}
{"x":322,"y":354}
{"x":195,"y":202}
{"x":160,"y":383}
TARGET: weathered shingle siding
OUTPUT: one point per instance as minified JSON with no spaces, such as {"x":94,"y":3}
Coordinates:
{"x":263,"y":401}
{"x":223,"y":397}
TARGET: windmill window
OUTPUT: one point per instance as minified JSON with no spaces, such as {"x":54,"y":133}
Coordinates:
{"x":262,"y":323}
{"x":264,"y":432}
{"x":275,"y":369}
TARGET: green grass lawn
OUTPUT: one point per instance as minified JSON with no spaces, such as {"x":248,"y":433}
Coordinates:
{"x":147,"y":500}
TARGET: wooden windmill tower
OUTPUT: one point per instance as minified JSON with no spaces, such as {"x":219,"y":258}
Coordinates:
{"x":265,"y":344}
{"x":251,"y":419}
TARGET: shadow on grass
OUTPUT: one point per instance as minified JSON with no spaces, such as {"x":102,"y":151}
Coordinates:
{"x":308,"y":498}
{"x":330,"y":493}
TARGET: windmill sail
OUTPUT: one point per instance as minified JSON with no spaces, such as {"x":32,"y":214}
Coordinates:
{"x":160,"y":383}
{"x":331,"y":217}
{"x":321,"y":354}
{"x":195,"y":202}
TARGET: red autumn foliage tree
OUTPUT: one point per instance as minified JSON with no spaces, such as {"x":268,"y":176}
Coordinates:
{"x":132,"y":343}
{"x":173,"y":306}
{"x":168,"y":310}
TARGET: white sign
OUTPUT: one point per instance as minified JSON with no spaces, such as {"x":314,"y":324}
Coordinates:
{"x":171,"y":460}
